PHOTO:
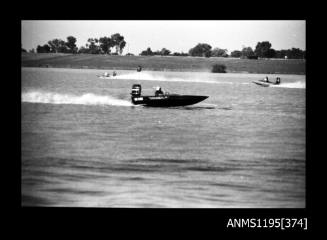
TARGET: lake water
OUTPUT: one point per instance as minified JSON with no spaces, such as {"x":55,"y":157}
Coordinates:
{"x":85,"y":145}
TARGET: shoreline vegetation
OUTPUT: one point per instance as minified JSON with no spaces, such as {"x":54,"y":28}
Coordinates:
{"x":163,"y":63}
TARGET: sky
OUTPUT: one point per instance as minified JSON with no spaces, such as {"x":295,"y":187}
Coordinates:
{"x":177,"y":36}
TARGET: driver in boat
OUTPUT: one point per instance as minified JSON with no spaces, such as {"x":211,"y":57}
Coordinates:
{"x":158,"y":91}
{"x":278,"y":80}
{"x":106,"y":74}
{"x":266,"y":79}
{"x":114,"y":73}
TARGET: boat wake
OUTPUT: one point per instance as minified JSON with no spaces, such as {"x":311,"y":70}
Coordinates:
{"x":290,"y":85}
{"x":155,"y":77}
{"x":85,"y":99}
{"x":142,"y":76}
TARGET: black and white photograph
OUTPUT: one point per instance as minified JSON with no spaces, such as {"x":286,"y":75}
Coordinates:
{"x":163,"y":113}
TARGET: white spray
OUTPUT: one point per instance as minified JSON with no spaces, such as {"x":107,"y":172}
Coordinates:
{"x":85,"y":99}
{"x":290,"y":85}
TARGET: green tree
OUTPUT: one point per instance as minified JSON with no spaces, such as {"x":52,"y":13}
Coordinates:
{"x":247,"y":52}
{"x":147,"y":52}
{"x":180,"y":54}
{"x":164,"y":52}
{"x":122,"y":44}
{"x":271,"y":53}
{"x":43,"y":49}
{"x":218,"y":52}
{"x":57,"y":46}
{"x":93,"y":46}
{"x":201,"y":50}
{"x":118,"y":42}
{"x":295,"y":53}
{"x":106,"y":44}
{"x":83,"y":49}
{"x":236,"y":54}
{"x":280,"y":53}
{"x":263,"y":49}
{"x":71,"y":44}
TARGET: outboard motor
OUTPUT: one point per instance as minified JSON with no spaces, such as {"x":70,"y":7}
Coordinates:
{"x":136,"y":90}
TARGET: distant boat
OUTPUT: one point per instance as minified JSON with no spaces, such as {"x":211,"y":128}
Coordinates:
{"x":163,"y":99}
{"x":107,"y":75}
{"x":265,"y":83}
{"x":104,"y":77}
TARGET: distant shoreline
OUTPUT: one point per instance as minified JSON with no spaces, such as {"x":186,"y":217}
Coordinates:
{"x":162,"y":63}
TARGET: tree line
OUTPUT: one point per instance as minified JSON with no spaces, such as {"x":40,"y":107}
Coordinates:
{"x":104,"y":45}
{"x":162,"y":52}
{"x":262,"y":50}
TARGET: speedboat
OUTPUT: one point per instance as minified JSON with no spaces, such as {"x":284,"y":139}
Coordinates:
{"x":107,"y":75}
{"x":266,"y":83}
{"x":163,"y":99}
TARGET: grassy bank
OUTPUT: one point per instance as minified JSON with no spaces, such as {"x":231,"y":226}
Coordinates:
{"x":157,"y":63}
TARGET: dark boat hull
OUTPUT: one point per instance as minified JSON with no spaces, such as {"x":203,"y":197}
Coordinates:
{"x":167,"y":100}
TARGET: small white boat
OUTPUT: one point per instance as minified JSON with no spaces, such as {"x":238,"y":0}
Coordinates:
{"x":107,"y":75}
{"x":266,"y":83}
